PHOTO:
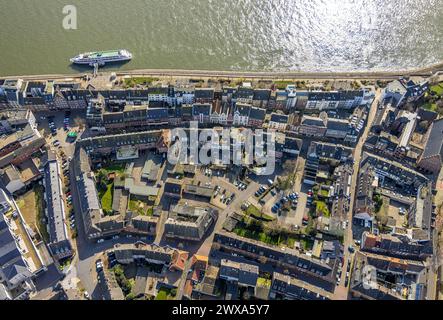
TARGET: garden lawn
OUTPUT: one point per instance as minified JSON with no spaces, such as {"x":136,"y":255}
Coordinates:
{"x":282,"y":84}
{"x":106,"y":197}
{"x":256,"y":213}
{"x":265,"y":238}
{"x":430,"y":106}
{"x":116,"y":167}
{"x":140,"y":207}
{"x":262,"y":282}
{"x":164,"y":294}
{"x":438,"y":89}
{"x":322,"y":208}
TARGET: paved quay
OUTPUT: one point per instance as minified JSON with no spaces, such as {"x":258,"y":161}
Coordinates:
{"x":434,"y":69}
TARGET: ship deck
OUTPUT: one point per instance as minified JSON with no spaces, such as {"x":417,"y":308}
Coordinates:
{"x":103,"y":54}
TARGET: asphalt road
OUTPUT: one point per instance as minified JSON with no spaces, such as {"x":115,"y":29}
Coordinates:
{"x":341,"y":292}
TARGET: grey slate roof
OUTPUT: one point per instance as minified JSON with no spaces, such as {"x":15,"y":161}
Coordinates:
{"x":262,"y":94}
{"x":257,"y":114}
{"x":157,"y":113}
{"x":204,"y":93}
{"x":280,"y":118}
{"x":434,"y":145}
{"x":198,"y":109}
{"x":12,"y":265}
{"x":311,"y":121}
{"x":338,"y":125}
{"x":243,"y":109}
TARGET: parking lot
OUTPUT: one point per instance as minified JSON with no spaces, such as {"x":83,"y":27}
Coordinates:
{"x":61,"y":129}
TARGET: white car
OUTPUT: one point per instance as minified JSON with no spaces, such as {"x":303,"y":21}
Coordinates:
{"x":100,"y":240}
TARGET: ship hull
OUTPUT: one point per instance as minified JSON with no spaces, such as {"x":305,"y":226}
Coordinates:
{"x":102,"y":57}
{"x":99,"y":62}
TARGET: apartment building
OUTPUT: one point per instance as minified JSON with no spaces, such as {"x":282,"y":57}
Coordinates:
{"x":190,"y":223}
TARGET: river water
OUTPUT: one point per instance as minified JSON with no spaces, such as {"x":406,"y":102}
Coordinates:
{"x":253,"y":35}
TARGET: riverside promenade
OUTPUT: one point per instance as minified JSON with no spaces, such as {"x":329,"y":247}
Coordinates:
{"x":271,"y":75}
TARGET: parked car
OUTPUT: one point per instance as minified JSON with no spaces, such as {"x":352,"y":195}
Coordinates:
{"x":99,"y":265}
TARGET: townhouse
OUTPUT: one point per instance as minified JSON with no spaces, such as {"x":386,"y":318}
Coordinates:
{"x":39,"y":95}
{"x":12,"y":91}
{"x":330,"y":100}
{"x":313,"y":126}
{"x":278,"y":121}
{"x":240,"y":273}
{"x":260,"y":98}
{"x":241,"y":114}
{"x":204,"y":95}
{"x":201,"y":112}
{"x":396,"y":246}
{"x":285,"y":287}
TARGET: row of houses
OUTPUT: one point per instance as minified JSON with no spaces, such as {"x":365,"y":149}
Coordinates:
{"x":280,"y":287}
{"x":156,"y":114}
{"x":170,"y":258}
{"x":107,"y":144}
{"x":331,"y":128}
{"x":16,"y":270}
{"x":314,"y":272}
{"x":397,"y":247}
{"x":44,"y":95}
{"x":55,"y":210}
